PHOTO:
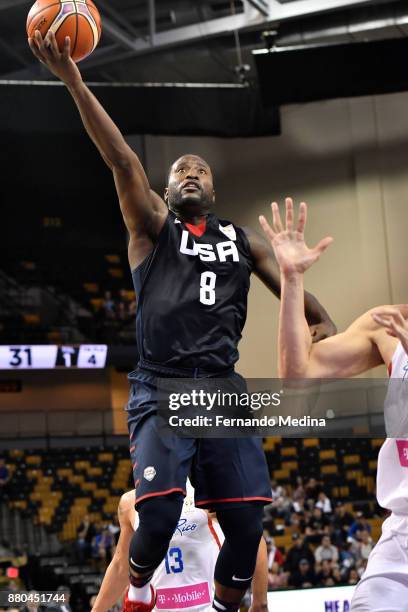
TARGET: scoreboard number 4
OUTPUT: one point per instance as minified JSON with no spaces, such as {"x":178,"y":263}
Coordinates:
{"x":92,"y":356}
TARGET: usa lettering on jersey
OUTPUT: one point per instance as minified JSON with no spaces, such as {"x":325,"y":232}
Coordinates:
{"x":206,"y":252}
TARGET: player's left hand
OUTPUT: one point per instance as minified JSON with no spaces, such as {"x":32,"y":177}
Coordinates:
{"x":323,"y":330}
{"x":291,"y":251}
{"x":394,"y":323}
{"x":60,"y":63}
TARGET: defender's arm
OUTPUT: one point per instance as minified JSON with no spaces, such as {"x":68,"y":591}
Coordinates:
{"x":260,"y":580}
{"x":116,"y":578}
{"x":347,"y":354}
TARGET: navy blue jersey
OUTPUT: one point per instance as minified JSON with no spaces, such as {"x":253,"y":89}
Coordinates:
{"x":192,"y":295}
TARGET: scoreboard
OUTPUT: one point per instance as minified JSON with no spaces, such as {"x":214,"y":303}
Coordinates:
{"x":48,"y":356}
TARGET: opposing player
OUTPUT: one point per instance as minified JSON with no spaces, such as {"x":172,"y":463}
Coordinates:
{"x":185,"y":578}
{"x":380,"y":336}
{"x":191,"y":274}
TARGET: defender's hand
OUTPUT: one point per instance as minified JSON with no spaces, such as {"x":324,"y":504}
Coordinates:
{"x":59,"y":63}
{"x":394,"y":323}
{"x":291,"y":251}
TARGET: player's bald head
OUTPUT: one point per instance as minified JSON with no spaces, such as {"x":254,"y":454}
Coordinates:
{"x":190,"y":188}
{"x":188,"y":158}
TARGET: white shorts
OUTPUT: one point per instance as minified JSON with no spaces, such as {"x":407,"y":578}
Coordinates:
{"x":384,"y":584}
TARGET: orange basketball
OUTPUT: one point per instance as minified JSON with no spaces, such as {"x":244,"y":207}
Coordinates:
{"x":78,"y":19}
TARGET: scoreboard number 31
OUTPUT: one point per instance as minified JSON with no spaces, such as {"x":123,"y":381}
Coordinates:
{"x":21,"y":356}
{"x":47,"y":357}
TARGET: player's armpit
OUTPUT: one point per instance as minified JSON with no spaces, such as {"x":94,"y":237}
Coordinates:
{"x":347,"y":354}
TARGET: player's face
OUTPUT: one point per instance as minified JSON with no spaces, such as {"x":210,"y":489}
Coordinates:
{"x":190,"y":190}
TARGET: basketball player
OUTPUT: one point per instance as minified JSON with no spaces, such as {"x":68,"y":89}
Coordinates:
{"x":185,"y":578}
{"x":191,"y":273}
{"x":380,"y":336}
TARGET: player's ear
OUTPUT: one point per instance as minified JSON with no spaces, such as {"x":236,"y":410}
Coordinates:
{"x":166,"y":194}
{"x":213,"y":195}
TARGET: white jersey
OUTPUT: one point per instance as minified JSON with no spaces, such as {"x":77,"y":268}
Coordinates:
{"x":185,"y":578}
{"x":392,"y":473}
{"x":384,"y":584}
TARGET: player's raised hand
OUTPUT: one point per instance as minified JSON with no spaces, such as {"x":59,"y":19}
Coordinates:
{"x":394,"y":323}
{"x":291,"y":252}
{"x":59,"y":63}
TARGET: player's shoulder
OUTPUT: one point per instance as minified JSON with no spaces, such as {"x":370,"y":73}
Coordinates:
{"x":224,"y":221}
{"x":365,"y":322}
{"x":367,"y":318}
{"x":403,"y":308}
{"x":237,"y":233}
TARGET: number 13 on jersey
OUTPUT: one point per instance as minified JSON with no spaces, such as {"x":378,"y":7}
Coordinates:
{"x":207,"y":288}
{"x":174,"y":561}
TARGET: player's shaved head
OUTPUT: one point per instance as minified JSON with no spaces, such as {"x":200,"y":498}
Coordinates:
{"x":190,"y":189}
{"x":187,"y":158}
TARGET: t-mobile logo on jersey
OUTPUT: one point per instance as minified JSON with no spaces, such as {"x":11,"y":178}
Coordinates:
{"x":180,"y":597}
{"x":206,"y":252}
{"x":402,"y":446}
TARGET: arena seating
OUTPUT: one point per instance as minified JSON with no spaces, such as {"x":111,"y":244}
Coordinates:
{"x":58,"y":487}
{"x":347,"y":468}
{"x":75,"y":296}
{"x":54,"y":489}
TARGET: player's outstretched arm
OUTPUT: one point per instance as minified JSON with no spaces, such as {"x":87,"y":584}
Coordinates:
{"x":116,"y":577}
{"x":143,"y":210}
{"x":344,"y":355}
{"x":320,"y":324}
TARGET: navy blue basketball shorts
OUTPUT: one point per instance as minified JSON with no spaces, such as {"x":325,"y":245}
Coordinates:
{"x":223,"y":471}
